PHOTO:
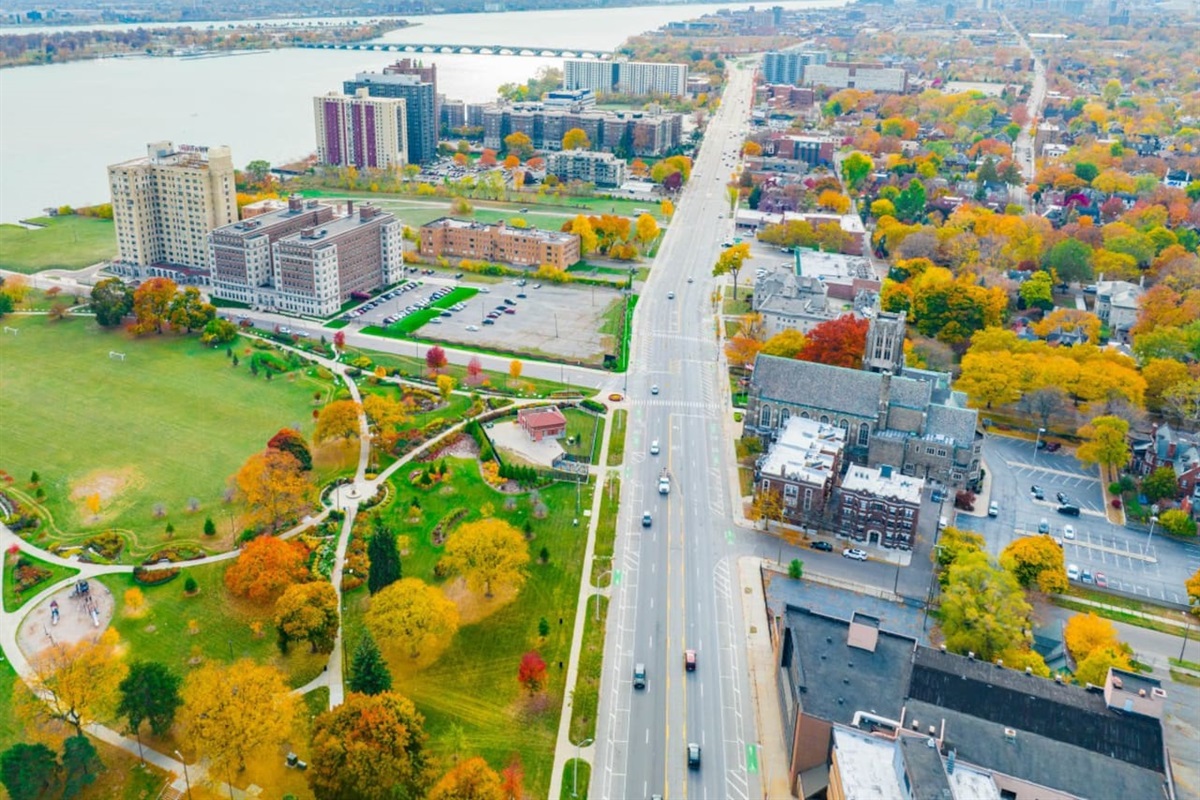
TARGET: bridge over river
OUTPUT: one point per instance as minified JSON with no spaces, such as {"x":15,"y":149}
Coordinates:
{"x":461,"y":49}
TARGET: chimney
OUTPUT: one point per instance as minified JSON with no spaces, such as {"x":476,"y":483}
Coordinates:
{"x":306,"y":233}
{"x":349,"y":208}
{"x":295,"y":203}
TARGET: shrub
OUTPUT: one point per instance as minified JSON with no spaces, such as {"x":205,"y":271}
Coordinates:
{"x":27,"y":575}
{"x":154,"y":577}
{"x":190,"y":586}
{"x":107,"y":545}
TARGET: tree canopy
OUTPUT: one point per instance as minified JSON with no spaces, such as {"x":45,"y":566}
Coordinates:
{"x":233,"y":712}
{"x":489,"y":553}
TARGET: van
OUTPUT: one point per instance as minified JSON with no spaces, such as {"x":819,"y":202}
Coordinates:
{"x":942,"y":523}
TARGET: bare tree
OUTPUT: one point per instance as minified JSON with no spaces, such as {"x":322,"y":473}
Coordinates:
{"x":1044,"y":403}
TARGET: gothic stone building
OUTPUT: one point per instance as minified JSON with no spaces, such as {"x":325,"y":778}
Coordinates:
{"x":912,"y":420}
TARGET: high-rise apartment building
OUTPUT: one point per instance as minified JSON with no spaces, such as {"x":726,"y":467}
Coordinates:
{"x":420,"y":106}
{"x":847,"y":75}
{"x":787,"y":66}
{"x":625,"y":77}
{"x":360,"y":130}
{"x":165,"y":204}
{"x":305,"y":259}
{"x":240,"y":254}
{"x":637,"y":133}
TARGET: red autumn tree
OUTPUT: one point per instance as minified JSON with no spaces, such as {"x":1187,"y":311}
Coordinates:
{"x":339,"y":340}
{"x":512,"y":779}
{"x":291,"y":441}
{"x":487,"y":158}
{"x":839,"y":342}
{"x":474,"y":371}
{"x":435,"y":358}
{"x":266,"y":567}
{"x":532,"y":673}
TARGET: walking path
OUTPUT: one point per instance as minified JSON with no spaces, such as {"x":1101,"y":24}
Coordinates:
{"x":565,"y":749}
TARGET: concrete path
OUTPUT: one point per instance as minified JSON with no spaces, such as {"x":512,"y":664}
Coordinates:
{"x":565,"y":749}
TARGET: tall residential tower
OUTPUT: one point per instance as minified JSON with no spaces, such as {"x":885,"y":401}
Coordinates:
{"x":360,"y":131}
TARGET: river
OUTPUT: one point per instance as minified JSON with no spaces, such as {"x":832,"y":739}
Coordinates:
{"x":64,"y":123}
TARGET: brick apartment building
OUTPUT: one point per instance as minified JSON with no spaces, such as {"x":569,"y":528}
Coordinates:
{"x":879,"y":506}
{"x":802,"y":465}
{"x":526,"y":247}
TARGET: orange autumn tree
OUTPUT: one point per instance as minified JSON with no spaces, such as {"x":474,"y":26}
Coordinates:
{"x":265,"y":569}
{"x":275,"y":488}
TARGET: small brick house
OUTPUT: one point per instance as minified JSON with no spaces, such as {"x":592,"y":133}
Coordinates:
{"x":541,"y":423}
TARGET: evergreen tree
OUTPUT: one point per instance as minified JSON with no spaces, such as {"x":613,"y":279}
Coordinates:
{"x":28,"y":771}
{"x":385,"y":558}
{"x":368,"y":671}
{"x":150,"y":692}
{"x":80,"y":765}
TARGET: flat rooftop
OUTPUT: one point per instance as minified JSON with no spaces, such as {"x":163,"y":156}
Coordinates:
{"x":904,"y":488}
{"x":866,"y":766}
{"x":504,"y":230}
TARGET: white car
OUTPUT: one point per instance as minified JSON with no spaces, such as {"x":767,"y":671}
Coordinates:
{"x":1068,"y":532}
{"x":994,"y":509}
{"x":855,"y":553}
{"x":654,"y":447}
{"x":1072,"y":572}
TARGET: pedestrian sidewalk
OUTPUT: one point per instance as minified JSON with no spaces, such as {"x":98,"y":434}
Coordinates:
{"x":764,"y":689}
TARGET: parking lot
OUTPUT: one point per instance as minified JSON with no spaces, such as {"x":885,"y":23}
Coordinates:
{"x":1126,"y":560}
{"x":556,"y":320}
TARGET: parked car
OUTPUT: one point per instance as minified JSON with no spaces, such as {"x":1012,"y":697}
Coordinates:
{"x":1062,"y":498}
{"x":819,"y":545}
{"x":489,"y":322}
{"x":510,"y":311}
{"x":855,"y":553}
{"x":1086,"y":576}
{"x":1101,"y":580}
{"x":1044,"y":526}
{"x":1053,"y":447}
{"x":1068,"y":510}
{"x":1037,"y":492}
{"x":993,"y":509}
{"x":1072,"y":572}
{"x":1068,"y":532}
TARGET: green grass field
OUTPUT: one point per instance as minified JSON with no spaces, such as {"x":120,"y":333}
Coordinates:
{"x":160,"y":632}
{"x":474,"y":682}
{"x":171,"y":422}
{"x":588,"y":436}
{"x":616,"y":441}
{"x":65,"y":243}
{"x":406,"y":325}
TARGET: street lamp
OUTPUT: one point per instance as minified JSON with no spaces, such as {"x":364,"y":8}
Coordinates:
{"x":575,"y":779}
{"x":187,"y":781}
{"x":1037,"y":442}
{"x":1153,"y":521}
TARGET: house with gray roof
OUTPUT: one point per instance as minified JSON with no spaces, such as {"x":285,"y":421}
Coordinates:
{"x":872,"y":713}
{"x":912,"y":421}
{"x":1117,"y":305}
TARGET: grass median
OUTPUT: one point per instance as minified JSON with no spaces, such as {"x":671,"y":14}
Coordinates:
{"x":586,"y":698}
{"x":616,"y":441}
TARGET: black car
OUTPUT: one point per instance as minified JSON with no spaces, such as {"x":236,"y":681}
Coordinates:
{"x":826,"y":546}
{"x":693,"y":755}
{"x":1069,"y":510}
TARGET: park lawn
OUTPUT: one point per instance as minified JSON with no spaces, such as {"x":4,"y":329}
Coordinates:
{"x":583,"y":429}
{"x":473,"y":684}
{"x":170,"y":422}
{"x":68,"y":242}
{"x":12,"y":730}
{"x":160,"y":632}
{"x":13,"y":601}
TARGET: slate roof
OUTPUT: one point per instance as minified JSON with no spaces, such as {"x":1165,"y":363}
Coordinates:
{"x":836,"y":389}
{"x":1056,"y":711}
{"x":957,"y":423}
{"x":910,"y":393}
{"x":836,"y":680}
{"x":1039,"y":759}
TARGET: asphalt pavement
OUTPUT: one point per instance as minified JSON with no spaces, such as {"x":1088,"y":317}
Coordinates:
{"x":675,"y":581}
{"x":1133,"y":562}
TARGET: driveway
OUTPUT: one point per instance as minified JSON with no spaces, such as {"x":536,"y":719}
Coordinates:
{"x":1155,"y":569}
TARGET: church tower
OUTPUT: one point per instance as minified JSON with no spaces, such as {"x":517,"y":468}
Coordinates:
{"x":885,"y":343}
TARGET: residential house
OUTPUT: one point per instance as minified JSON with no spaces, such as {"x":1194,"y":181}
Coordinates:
{"x":542,"y":423}
{"x":1117,"y":305}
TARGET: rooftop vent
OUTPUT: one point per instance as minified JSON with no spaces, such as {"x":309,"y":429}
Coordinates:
{"x":916,"y":725}
{"x":1158,"y":692}
{"x":943,"y":648}
{"x":999,"y":663}
{"x":931,"y":742}
{"x":1141,"y":692}
{"x":971,"y":654}
{"x":1029,"y":670}
{"x":932,"y":730}
{"x":1058,"y":679}
{"x":1010,"y":735}
{"x":1118,"y":683}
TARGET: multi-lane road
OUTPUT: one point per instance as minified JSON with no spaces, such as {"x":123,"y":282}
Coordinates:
{"x":674,"y":581}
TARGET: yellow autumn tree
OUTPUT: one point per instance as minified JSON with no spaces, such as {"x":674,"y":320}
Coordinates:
{"x":1036,"y":561}
{"x":75,"y":683}
{"x":1094,"y":668}
{"x":274,"y":487}
{"x":1085,"y":633}
{"x":489,"y":553}
{"x":337,"y":420}
{"x":233,"y":712}
{"x":1069,"y":320}
{"x":412,"y":618}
